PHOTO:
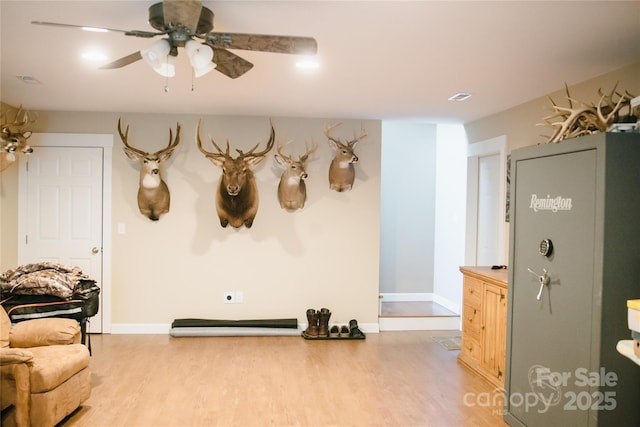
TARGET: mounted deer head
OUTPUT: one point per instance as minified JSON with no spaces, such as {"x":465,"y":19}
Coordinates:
{"x":292,"y":190}
{"x":13,"y":136}
{"x":237,"y":193}
{"x":341,"y":171}
{"x":153,"y":193}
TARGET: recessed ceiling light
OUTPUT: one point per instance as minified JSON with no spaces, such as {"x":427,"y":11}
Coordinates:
{"x":94,"y":56}
{"x":460,"y":96}
{"x":307,"y":64}
{"x":24,"y":78}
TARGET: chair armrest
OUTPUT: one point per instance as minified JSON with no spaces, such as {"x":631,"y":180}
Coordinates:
{"x":11,"y":356}
{"x":41,"y":332}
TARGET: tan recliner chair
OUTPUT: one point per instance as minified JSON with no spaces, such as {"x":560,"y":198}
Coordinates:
{"x":44,"y":371}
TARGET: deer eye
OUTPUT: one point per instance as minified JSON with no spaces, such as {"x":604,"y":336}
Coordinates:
{"x":294,"y":167}
{"x":344,"y":151}
{"x":146,"y":161}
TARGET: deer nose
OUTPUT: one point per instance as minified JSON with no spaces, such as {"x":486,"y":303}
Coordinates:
{"x":155,"y":171}
{"x":233,"y":190}
{"x":354,"y":159}
{"x":304,"y":176}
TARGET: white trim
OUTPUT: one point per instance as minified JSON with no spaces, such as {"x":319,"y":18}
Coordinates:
{"x":405,"y":297}
{"x":497,"y":145}
{"x":448,"y":304}
{"x":104,"y":141}
{"x":165,"y":328}
{"x":141,"y":328}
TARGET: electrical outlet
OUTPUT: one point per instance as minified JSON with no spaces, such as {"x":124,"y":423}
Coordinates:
{"x":229,"y":297}
{"x":239,"y":297}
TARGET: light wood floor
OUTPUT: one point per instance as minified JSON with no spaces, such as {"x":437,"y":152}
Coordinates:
{"x":390,"y":379}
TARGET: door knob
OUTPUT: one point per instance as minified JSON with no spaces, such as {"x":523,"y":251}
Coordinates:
{"x":95,"y":250}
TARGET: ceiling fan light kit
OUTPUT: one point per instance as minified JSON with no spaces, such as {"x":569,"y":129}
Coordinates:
{"x":183,"y":20}
{"x":157,"y":57}
{"x":201,"y":57}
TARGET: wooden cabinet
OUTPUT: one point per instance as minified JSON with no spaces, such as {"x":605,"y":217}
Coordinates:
{"x":484,"y":322}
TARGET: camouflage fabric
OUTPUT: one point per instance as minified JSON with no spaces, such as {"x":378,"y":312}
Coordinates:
{"x":44,"y":278}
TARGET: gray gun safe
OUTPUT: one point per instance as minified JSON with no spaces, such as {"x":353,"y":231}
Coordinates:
{"x":574,"y":262}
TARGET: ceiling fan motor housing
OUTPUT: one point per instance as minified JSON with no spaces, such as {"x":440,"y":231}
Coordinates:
{"x":178,"y":33}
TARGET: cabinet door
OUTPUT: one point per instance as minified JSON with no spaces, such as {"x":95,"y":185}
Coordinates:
{"x":494,"y":322}
{"x":551,"y":332}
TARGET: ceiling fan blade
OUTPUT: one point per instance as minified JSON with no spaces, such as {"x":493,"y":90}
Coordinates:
{"x":136,"y":33}
{"x":125,"y":60}
{"x":264,"y":43}
{"x":185,"y":12}
{"x":230,"y":64}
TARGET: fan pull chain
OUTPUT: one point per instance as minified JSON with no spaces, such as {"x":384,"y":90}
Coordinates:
{"x":166,"y":85}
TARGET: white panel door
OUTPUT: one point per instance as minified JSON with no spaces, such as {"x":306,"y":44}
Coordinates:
{"x":64,"y":211}
{"x":489,"y":210}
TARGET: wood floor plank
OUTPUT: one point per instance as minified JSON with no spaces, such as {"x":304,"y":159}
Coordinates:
{"x":390,"y":379}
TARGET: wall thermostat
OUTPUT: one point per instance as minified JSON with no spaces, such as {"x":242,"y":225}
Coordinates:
{"x":546,"y":247}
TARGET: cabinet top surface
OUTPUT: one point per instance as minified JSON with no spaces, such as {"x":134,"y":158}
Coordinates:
{"x":499,"y":276}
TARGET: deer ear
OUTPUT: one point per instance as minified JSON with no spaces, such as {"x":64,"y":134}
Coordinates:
{"x":131,"y":154}
{"x":333,"y":144}
{"x":254,"y":161}
{"x":280,"y":161}
{"x":216,"y":161}
{"x":165,"y":155}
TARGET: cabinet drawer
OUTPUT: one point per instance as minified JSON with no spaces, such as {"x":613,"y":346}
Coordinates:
{"x":470,"y":348}
{"x":471,"y":319}
{"x":472,"y":292}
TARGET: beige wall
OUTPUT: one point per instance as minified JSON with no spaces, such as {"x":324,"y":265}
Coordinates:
{"x":519,"y":123}
{"x":326,"y":255}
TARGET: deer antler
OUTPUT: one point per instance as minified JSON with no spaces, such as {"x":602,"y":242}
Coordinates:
{"x":309,"y":151}
{"x":270,"y":143}
{"x":217,"y":155}
{"x":124,"y":137}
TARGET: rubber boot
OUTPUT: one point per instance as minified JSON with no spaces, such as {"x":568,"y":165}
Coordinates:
{"x":354,"y":330}
{"x":323,"y":323}
{"x":312,"y":318}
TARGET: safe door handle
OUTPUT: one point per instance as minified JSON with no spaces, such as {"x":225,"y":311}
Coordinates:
{"x":542,"y":279}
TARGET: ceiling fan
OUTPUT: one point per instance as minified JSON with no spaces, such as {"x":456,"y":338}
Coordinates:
{"x":183,"y":20}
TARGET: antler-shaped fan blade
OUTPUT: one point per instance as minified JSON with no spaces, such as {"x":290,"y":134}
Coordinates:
{"x":263,"y":43}
{"x":230,"y":64}
{"x":125,"y":60}
{"x":185,"y":12}
{"x":135,"y":33}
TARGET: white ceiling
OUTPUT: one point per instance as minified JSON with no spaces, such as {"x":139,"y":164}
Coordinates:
{"x":378,"y":60}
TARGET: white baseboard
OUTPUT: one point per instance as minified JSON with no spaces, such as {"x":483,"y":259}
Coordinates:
{"x":165,"y":328}
{"x":448,"y":304}
{"x":140,"y":328}
{"x":404,"y":297}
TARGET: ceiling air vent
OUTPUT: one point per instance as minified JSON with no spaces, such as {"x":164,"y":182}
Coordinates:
{"x":28,"y":79}
{"x":460,"y":96}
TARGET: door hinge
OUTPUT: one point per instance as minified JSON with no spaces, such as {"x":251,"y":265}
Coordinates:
{"x":26,"y":239}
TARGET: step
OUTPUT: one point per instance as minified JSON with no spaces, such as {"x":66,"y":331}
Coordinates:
{"x":416,"y":316}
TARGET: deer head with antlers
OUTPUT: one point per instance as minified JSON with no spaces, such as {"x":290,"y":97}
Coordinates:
{"x":237,"y":193}
{"x":153,"y":193}
{"x":13,"y":136}
{"x":341,"y":171}
{"x":292,"y":190}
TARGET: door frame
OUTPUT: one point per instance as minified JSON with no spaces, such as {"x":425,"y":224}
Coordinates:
{"x":475,"y":151}
{"x":104,"y":141}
